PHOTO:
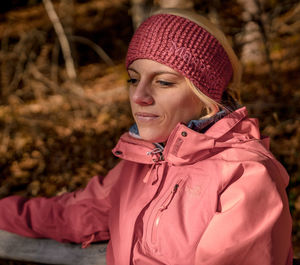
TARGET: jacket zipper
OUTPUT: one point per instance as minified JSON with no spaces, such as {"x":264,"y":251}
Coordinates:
{"x":161,"y":210}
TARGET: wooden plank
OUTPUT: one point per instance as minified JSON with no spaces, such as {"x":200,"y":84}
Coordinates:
{"x":48,"y":251}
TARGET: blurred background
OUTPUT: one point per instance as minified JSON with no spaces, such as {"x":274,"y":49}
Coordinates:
{"x":63,"y":92}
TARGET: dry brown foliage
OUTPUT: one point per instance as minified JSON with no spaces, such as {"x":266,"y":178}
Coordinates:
{"x":55,"y":134}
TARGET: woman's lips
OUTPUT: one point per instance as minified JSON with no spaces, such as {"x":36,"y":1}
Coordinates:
{"x":145,"y":116}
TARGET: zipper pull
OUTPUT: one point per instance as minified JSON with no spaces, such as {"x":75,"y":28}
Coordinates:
{"x":170,"y":197}
{"x":175,"y":188}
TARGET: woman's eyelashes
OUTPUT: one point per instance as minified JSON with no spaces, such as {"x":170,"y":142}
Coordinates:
{"x":165,"y":83}
{"x":162,"y":83}
{"x":132,"y":81}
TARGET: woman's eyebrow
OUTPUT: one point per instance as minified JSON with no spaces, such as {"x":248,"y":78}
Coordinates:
{"x":157,"y":72}
{"x":166,"y":72}
{"x":131,"y":69}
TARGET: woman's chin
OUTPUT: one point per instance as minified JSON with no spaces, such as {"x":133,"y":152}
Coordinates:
{"x":153,"y":137}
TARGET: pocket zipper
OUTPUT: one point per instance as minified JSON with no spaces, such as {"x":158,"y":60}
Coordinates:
{"x":161,"y":209}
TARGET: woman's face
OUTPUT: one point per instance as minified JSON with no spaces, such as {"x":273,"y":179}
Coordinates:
{"x":160,"y":98}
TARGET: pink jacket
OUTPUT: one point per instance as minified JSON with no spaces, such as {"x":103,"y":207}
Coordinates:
{"x":210,"y":199}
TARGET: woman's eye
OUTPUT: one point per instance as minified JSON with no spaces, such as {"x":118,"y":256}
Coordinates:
{"x":132,"y":81}
{"x":165,"y":83}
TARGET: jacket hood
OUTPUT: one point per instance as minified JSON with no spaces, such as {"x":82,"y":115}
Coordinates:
{"x":185,"y":145}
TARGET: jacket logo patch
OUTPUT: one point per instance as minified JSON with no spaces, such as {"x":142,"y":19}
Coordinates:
{"x":176,"y":147}
{"x":193,"y":190}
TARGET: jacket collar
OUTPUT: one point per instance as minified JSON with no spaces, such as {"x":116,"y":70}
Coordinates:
{"x":185,"y":145}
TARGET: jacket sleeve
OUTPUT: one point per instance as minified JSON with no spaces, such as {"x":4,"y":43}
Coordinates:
{"x":252,"y":224}
{"x":80,"y":216}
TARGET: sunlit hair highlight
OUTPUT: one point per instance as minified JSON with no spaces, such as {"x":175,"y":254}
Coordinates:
{"x":211,"y":107}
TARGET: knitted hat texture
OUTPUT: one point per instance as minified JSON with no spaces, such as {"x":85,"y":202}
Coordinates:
{"x":185,"y":47}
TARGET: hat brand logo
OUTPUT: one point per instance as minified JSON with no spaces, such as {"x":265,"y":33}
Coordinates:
{"x":184,"y":54}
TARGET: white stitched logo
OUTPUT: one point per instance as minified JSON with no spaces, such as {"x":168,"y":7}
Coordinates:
{"x":184,"y":54}
{"x":194,"y":190}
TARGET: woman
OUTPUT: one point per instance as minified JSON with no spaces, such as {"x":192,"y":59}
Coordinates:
{"x":196,"y":183}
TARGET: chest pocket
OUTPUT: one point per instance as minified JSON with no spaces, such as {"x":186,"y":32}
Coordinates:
{"x":176,"y":220}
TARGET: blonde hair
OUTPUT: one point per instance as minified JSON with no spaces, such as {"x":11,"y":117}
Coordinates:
{"x":212,"y":107}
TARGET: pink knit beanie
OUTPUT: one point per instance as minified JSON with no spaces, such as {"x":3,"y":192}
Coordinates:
{"x":185,"y":47}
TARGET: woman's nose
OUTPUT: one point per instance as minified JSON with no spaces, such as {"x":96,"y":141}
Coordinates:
{"x":142,"y":96}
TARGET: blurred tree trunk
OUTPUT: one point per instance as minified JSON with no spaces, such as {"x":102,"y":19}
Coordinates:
{"x":213,"y":14}
{"x":182,"y":4}
{"x":263,"y":20}
{"x":66,"y":11}
{"x":140,"y":9}
{"x":65,"y":45}
{"x":260,"y":20}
